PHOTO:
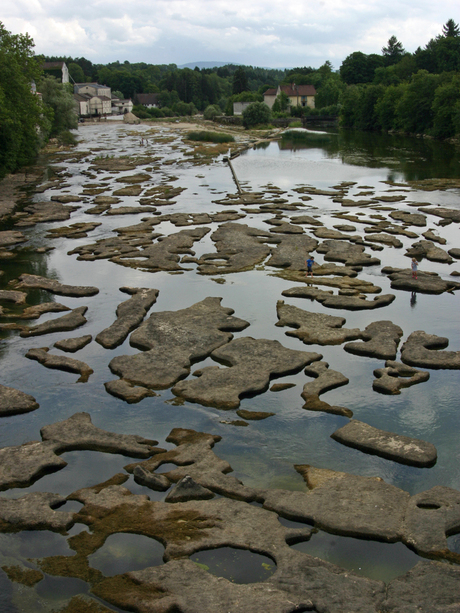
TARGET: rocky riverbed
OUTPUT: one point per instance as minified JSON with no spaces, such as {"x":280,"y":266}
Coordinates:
{"x":193,"y":328}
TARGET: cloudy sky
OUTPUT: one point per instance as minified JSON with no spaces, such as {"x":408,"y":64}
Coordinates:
{"x":275,"y":34}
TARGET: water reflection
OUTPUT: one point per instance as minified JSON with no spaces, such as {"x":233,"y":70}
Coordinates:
{"x":371,"y":559}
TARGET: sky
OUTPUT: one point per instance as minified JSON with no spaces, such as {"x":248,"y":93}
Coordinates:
{"x":272,"y":34}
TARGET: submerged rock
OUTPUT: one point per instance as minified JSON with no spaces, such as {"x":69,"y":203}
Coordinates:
{"x":402,"y":449}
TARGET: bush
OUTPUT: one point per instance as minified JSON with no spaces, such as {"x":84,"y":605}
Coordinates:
{"x":67,"y":138}
{"x":140,"y":111}
{"x":256,"y":113}
{"x":210,"y":137}
{"x":155,"y":112}
{"x":211,"y":111}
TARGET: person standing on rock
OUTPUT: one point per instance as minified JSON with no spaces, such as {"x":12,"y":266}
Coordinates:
{"x":310,"y":262}
{"x":414,"y":265}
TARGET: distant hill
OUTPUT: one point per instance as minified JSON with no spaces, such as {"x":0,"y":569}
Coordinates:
{"x":207,"y":64}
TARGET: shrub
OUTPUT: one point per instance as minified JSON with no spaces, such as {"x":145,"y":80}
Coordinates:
{"x":140,"y":112}
{"x":210,"y":137}
{"x":256,"y":113}
{"x":211,"y":111}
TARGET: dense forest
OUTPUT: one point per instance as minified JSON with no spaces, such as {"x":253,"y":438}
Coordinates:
{"x":394,"y":90}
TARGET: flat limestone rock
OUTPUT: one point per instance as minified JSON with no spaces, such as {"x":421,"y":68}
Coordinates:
{"x":381,"y":340}
{"x":73,"y":344}
{"x":194,"y":456}
{"x":76,"y":230}
{"x":395,"y":376}
{"x":129,"y":315}
{"x":290,"y":253}
{"x":186,"y":587}
{"x":411,"y":219}
{"x":12,"y":296}
{"x":15,"y":402}
{"x":59,"y":362}
{"x":23,"y":464}
{"x":11,"y":237}
{"x":172,"y":340}
{"x":252,"y":364}
{"x":402,"y":449}
{"x":314,"y":328}
{"x":78,"y":432}
{"x":238,"y":248}
{"x":34,"y":511}
{"x":428,"y":250}
{"x":422,"y":349}
{"x":163,"y":255}
{"x":324,"y":380}
{"x":35,"y":311}
{"x":348,"y":253}
{"x":450,"y":214}
{"x":159,"y":483}
{"x":384,"y":238}
{"x":55,"y":287}
{"x":71,"y":321}
{"x":120,"y":388}
{"x":349,"y":303}
{"x":41,"y":212}
{"x":188,"y":489}
{"x":432,"y":587}
{"x":426,"y":283}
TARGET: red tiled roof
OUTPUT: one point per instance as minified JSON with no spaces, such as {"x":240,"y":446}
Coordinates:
{"x":298,"y":90}
{"x":271,"y":92}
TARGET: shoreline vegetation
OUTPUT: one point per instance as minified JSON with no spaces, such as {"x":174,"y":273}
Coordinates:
{"x":394,"y":91}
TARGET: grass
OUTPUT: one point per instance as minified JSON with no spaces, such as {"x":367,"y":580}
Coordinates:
{"x":210,"y":137}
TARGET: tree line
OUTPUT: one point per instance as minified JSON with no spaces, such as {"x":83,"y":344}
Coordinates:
{"x":27,"y":119}
{"x":395,"y":90}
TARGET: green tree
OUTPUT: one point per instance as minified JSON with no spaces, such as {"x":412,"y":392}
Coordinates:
{"x":76,"y":72}
{"x":446,"y":107}
{"x":360,"y":68}
{"x":59,"y":99}
{"x":414,"y":110}
{"x":21,"y":113}
{"x":450,"y":29}
{"x":256,"y":113}
{"x":240,"y":81}
{"x":393,"y":52}
{"x":281,"y":103}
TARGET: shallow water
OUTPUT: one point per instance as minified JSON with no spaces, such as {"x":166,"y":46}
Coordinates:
{"x":262,"y":454}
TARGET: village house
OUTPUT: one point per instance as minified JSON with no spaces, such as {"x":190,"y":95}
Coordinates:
{"x":148,"y":100}
{"x":92,"y":99}
{"x":58,"y":70}
{"x":299,"y":95}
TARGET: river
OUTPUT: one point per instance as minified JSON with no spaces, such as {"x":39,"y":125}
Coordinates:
{"x":262,"y":454}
